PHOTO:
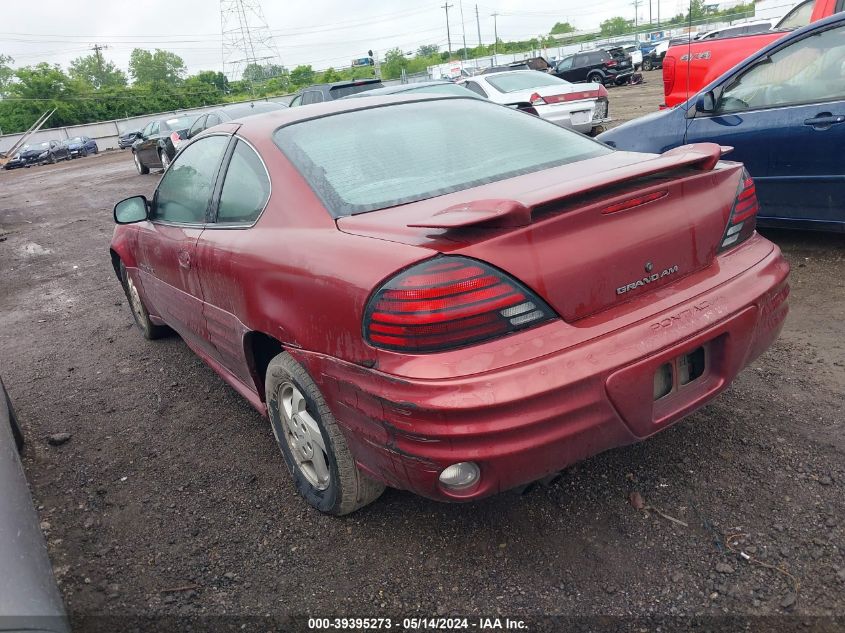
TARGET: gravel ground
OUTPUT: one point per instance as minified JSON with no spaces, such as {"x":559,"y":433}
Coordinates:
{"x":170,"y":498}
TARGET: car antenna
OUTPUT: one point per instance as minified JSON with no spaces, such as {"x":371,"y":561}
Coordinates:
{"x":689,"y":62}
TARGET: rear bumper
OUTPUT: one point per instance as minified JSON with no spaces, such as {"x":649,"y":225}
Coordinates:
{"x":576,"y":115}
{"x":529,"y":420}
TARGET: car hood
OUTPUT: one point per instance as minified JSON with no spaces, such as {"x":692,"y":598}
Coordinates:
{"x":655,"y":132}
{"x":33,"y":152}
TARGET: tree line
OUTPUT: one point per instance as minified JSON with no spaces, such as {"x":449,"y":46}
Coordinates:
{"x":95,"y":89}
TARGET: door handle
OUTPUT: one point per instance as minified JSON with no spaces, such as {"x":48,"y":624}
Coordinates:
{"x":184,"y":259}
{"x":825,"y":119}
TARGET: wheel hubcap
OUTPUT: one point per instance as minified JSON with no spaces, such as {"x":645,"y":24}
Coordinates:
{"x":137,"y":163}
{"x":135,"y":300}
{"x":165,"y":160}
{"x":303,"y":437}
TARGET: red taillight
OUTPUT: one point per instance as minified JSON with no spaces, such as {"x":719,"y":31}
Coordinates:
{"x":668,"y":75}
{"x":449,"y":302}
{"x":743,"y":219}
{"x":610,"y":63}
{"x":536,"y":99}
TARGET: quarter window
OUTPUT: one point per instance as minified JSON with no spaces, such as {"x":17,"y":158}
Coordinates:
{"x":197,"y":127}
{"x":246,"y":188}
{"x":808,"y":71}
{"x":471,"y":85}
{"x":185,"y":189}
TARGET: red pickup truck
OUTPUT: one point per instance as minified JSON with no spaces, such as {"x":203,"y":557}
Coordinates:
{"x":689,"y":67}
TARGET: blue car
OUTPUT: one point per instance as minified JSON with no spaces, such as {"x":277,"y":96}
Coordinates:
{"x":81,"y":146}
{"x":783,"y":112}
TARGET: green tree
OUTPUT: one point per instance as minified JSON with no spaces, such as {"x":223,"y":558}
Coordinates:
{"x":329,"y":75}
{"x":302,"y":76}
{"x":618,"y":25}
{"x":156,"y":67}
{"x":213,"y":78}
{"x":394,"y":62}
{"x":7,"y":74}
{"x":561,"y":28}
{"x":427,"y":50}
{"x":696,"y":11}
{"x":97,"y":72}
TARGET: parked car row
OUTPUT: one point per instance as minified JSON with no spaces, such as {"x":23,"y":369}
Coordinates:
{"x":50,"y":152}
{"x":157,"y":143}
{"x":44,"y":153}
{"x":369,"y":272}
{"x":582,"y":108}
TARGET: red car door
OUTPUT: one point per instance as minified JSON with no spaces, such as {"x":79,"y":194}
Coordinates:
{"x":225,"y":255}
{"x":166,"y":244}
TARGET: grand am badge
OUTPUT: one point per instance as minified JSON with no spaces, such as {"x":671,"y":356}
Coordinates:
{"x":650,"y":279}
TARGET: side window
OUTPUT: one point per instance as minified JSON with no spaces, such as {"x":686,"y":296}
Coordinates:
{"x":580,"y":61}
{"x":148,"y":130}
{"x":154,"y":129}
{"x":246,"y":188}
{"x":599,"y":57}
{"x":185,"y":189}
{"x":799,"y":16}
{"x":197,"y":127}
{"x":472,"y":85}
{"x":213,"y":119}
{"x":311,"y":96}
{"x":297,"y":100}
{"x":565,"y":63}
{"x":807,"y":71}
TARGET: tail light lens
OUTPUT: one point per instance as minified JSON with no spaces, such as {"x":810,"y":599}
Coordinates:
{"x":610,"y":63}
{"x":743,"y":219}
{"x":668,"y":74}
{"x":536,"y":99}
{"x":449,"y":302}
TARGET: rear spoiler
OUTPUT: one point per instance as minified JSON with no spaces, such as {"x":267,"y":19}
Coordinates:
{"x":506,"y":213}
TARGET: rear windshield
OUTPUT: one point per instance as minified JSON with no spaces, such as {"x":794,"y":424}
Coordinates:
{"x":523,"y":80}
{"x":380,"y":157}
{"x":337,"y":92}
{"x":179,"y":123}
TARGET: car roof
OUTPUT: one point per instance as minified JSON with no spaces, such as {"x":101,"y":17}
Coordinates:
{"x":334,"y":84}
{"x":263,"y":125}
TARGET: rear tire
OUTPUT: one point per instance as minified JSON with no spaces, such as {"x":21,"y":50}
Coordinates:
{"x":165,"y":158}
{"x":139,"y":310}
{"x":312,"y":444}
{"x":141,"y":167}
{"x":647,"y":65}
{"x":595,"y":78}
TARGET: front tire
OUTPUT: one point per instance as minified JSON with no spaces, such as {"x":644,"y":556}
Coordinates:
{"x":312,"y":444}
{"x":165,"y":158}
{"x":139,"y":310}
{"x":647,"y":65}
{"x":141,"y":167}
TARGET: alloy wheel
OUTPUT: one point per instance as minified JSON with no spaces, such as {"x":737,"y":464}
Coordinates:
{"x":304,"y":437}
{"x":135,"y":300}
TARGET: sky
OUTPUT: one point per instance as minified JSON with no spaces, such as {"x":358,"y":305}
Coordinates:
{"x":322,"y":33}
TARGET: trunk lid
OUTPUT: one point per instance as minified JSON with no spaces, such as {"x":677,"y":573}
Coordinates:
{"x":585,"y":236}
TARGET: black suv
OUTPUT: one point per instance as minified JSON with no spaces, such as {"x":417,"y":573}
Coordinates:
{"x":329,"y":92}
{"x":600,"y":66}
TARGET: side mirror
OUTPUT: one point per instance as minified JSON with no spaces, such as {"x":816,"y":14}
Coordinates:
{"x":706,"y":103}
{"x":131,"y":210}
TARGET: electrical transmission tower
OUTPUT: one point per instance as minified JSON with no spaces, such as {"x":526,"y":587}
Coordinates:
{"x":246,"y":38}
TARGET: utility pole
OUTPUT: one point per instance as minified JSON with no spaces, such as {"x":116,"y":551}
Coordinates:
{"x":463,"y":27}
{"x":649,"y":13}
{"x":448,"y":33}
{"x":97,"y":48}
{"x":495,"y":31}
{"x":636,"y":4}
{"x":478,"y":26}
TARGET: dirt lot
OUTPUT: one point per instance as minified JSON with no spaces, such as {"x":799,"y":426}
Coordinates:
{"x":171,"y":496}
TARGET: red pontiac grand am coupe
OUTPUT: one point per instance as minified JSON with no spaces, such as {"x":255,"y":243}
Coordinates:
{"x":447,"y":296}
